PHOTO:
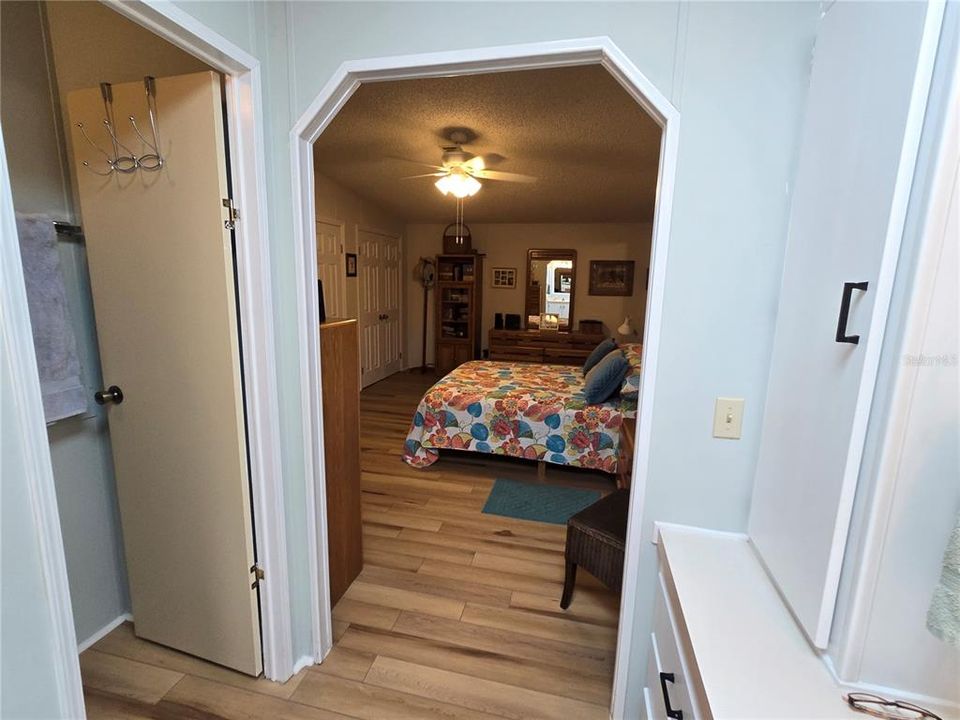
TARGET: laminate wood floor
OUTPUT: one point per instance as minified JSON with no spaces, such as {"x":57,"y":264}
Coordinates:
{"x":456,"y":614}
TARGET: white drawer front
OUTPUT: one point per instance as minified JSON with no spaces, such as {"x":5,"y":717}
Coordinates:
{"x":668,"y":655}
{"x":653,"y":698}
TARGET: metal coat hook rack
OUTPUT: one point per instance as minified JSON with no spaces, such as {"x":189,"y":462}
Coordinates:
{"x":123,"y":159}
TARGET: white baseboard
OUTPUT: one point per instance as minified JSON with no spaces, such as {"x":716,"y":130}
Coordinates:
{"x":305,"y":661}
{"x":104,"y":631}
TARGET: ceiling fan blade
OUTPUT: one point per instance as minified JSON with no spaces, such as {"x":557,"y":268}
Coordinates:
{"x":413,"y":177}
{"x":507,"y":176}
{"x":474,"y":164}
{"x":415,"y":162}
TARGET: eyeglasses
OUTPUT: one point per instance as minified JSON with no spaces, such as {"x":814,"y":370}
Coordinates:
{"x":887,"y":709}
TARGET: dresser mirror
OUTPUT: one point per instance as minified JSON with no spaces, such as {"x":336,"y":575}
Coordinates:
{"x":551,"y":285}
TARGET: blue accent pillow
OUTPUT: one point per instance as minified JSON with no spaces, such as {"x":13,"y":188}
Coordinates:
{"x":599,"y":353}
{"x":604,"y":380}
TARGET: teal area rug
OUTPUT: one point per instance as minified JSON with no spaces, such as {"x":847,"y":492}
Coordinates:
{"x":544,"y":503}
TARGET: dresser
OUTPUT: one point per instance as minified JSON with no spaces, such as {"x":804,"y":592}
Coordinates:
{"x":542,"y":346}
{"x":340,"y":380}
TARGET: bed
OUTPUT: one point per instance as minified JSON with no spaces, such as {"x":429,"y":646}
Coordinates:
{"x":515,"y":409}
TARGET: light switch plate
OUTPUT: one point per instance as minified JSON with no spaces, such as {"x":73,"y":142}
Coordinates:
{"x":728,"y":418}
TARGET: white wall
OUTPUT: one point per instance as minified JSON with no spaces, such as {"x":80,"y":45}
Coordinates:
{"x":738,"y":74}
{"x":27,"y":649}
{"x":506,"y":245}
{"x":34,"y":672}
{"x":337,"y":204}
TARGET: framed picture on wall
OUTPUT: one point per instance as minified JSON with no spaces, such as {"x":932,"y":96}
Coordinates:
{"x":351,"y":264}
{"x":562,"y":280}
{"x":504,"y":277}
{"x":611,"y":277}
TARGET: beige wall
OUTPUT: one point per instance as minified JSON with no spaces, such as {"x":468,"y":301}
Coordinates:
{"x":338,"y":205}
{"x":506,"y":245}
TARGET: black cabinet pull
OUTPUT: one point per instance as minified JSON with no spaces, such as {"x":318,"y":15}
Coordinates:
{"x":848,"y":289}
{"x":664,"y":679}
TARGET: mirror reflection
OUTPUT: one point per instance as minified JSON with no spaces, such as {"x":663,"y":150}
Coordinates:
{"x":551,"y":286}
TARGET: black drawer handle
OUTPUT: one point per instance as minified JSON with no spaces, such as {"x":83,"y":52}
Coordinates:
{"x":848,"y":289}
{"x":664,"y":679}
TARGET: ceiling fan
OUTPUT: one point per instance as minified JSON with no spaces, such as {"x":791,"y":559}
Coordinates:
{"x":461,"y":171}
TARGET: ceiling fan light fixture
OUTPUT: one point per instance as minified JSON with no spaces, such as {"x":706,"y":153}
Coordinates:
{"x":458,"y":184}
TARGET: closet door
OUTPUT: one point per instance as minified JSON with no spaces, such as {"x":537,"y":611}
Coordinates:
{"x":161,"y":273}
{"x":379,"y":271}
{"x":331,"y":268}
{"x":868,"y":88}
{"x":371,"y":275}
{"x":390,"y":325}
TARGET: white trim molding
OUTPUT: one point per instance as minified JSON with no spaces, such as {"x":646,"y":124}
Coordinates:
{"x":248,"y":169}
{"x":345,"y":81}
{"x":16,"y":337}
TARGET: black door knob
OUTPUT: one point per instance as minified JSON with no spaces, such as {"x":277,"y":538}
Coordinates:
{"x":111,"y":394}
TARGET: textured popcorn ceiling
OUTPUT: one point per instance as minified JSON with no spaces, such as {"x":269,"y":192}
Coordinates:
{"x":594,"y":150}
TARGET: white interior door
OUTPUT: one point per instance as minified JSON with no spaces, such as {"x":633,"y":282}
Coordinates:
{"x":331,"y":269}
{"x":379,"y":274}
{"x":868,"y":90}
{"x":370,"y":275}
{"x":161,"y":274}
{"x":390,"y":325}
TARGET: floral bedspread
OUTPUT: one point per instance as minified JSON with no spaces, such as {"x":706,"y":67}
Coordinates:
{"x":522,"y":410}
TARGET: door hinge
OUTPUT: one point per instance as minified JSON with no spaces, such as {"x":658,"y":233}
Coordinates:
{"x":233,"y":215}
{"x":257,"y":572}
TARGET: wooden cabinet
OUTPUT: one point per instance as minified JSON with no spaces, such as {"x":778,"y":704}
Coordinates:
{"x":340,"y":380}
{"x":628,"y":434}
{"x":459,"y":302}
{"x":542,"y":346}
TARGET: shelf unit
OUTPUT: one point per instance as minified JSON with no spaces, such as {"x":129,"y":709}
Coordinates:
{"x":459,"y":301}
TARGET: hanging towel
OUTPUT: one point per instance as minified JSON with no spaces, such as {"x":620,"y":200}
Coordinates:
{"x":943,"y":617}
{"x":53,"y":338}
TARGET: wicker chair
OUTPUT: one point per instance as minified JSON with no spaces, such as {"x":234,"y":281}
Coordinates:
{"x":596,"y":538}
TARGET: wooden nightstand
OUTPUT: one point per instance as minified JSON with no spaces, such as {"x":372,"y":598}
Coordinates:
{"x":628,"y":432}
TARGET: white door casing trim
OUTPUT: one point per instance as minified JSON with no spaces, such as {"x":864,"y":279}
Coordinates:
{"x":318,"y":115}
{"x":16,"y":336}
{"x":248,"y":169}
